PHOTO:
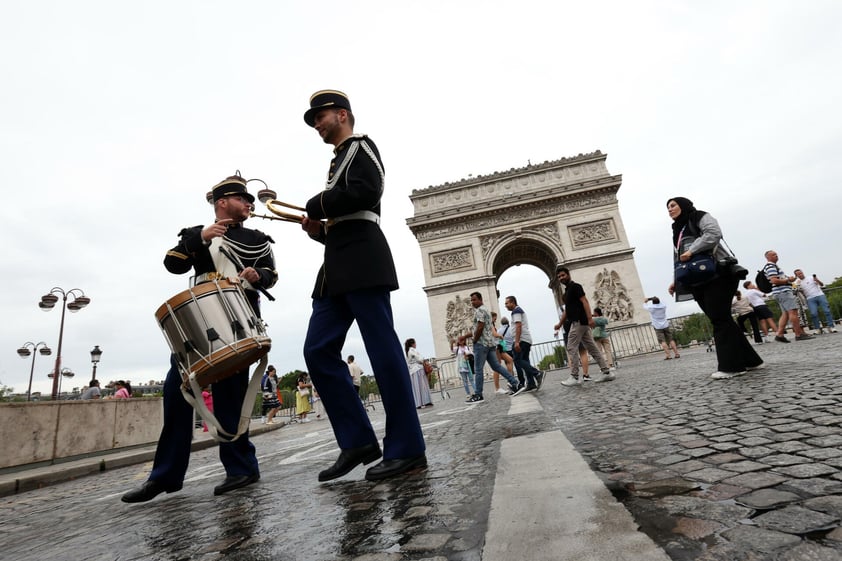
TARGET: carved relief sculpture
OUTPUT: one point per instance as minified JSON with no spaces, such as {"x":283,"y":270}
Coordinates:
{"x":452,"y":260}
{"x":611,"y":295}
{"x":459,"y":318}
{"x":593,"y":233}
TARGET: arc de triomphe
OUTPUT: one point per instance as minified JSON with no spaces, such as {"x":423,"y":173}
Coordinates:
{"x":563,"y":212}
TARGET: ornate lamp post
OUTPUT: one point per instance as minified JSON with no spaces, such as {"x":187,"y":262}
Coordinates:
{"x":47,"y":303}
{"x":65,"y":373}
{"x":96,"y":354}
{"x":24,"y":351}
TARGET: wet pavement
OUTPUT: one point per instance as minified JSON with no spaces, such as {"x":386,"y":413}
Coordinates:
{"x":743,"y":469}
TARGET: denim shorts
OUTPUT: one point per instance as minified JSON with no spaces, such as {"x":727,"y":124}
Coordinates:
{"x":786,"y":300}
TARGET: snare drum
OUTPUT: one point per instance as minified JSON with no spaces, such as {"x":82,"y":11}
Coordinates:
{"x":213,"y":331}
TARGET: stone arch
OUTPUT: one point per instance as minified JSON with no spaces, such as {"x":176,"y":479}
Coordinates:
{"x":560,"y":212}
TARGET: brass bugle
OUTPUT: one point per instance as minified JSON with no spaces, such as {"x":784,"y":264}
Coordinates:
{"x":285,"y":218}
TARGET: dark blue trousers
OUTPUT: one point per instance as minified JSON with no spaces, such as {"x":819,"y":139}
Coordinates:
{"x":329,"y":324}
{"x":173,"y":452}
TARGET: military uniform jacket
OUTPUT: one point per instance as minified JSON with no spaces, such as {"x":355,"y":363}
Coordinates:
{"x":356,"y":254}
{"x":251,"y":246}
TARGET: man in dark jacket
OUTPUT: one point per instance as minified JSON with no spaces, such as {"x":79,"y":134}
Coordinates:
{"x":198,"y":251}
{"x":354,"y":283}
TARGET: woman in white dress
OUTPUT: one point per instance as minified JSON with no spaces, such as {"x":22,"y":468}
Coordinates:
{"x":417,"y":376}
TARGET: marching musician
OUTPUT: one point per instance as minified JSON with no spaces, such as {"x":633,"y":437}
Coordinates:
{"x":354,"y":283}
{"x":202,"y":249}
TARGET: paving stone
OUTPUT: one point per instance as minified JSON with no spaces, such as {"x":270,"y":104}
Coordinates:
{"x":756,"y":480}
{"x":796,"y":520}
{"x":764,"y":499}
{"x":790,"y":447}
{"x":696,"y":529}
{"x":821,"y":453}
{"x":754,"y":441}
{"x":755,"y":451}
{"x":695,"y":507}
{"x":710,"y":475}
{"x":724,"y":458}
{"x":831,"y":505}
{"x":720,"y":492}
{"x":810,"y":552}
{"x":806,"y":470}
{"x":784,"y":460}
{"x":815,"y":486}
{"x":744,"y":466}
{"x":760,"y":539}
{"x":826,"y":441}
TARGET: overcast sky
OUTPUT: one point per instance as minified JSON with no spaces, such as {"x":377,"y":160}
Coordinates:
{"x":117,"y":118}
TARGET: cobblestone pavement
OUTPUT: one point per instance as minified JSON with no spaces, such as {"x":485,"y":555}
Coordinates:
{"x":746,"y":468}
{"x":742,"y":469}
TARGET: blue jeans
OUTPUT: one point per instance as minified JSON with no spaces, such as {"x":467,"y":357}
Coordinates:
{"x":467,"y":382}
{"x":522,"y":362}
{"x":482,"y":354}
{"x":813,"y":304}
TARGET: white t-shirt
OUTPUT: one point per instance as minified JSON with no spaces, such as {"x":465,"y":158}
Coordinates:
{"x":658,"y":313}
{"x":810,"y":287}
{"x":755,"y":297}
{"x":356,"y":372}
{"x":519,"y":316}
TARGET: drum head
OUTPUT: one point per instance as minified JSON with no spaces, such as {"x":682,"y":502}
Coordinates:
{"x":231,"y":359}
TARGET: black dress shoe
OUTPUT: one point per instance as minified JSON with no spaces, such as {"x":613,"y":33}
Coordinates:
{"x":349,"y":459}
{"x":391,"y":468}
{"x":235,"y":482}
{"x":147,"y":492}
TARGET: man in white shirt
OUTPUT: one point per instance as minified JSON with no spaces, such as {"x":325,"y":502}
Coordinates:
{"x":355,"y":371}
{"x":757,"y":299}
{"x":812,"y":288}
{"x":661,"y":324}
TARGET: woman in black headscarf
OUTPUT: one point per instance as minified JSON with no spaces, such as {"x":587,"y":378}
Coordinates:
{"x":693,"y":232}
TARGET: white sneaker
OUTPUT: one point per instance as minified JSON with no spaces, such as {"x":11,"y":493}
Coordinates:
{"x":831,"y":330}
{"x":606,"y":376}
{"x":501,"y":391}
{"x":571,"y":381}
{"x":725,"y":375}
{"x":305,"y":420}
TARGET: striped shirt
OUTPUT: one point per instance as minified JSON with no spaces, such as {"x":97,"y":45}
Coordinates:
{"x":771,"y":270}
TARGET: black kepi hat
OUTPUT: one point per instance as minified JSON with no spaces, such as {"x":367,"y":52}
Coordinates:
{"x":234,"y":185}
{"x":325,"y":99}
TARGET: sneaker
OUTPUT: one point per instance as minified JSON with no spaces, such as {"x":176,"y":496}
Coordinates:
{"x":586,"y":378}
{"x":831,"y":330}
{"x":781,"y":339}
{"x":803,"y":337}
{"x":469,"y":399}
{"x":570,"y":381}
{"x":725,"y":375}
{"x":514,"y":389}
{"x":606,"y":376}
{"x":531,"y":388}
{"x":539,"y":378}
{"x":502,"y":391}
{"x":305,"y":420}
{"x":520,"y":390}
{"x":475,"y":399}
{"x":760,"y":366}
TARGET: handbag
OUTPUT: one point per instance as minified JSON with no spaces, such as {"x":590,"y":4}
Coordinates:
{"x":699,"y":270}
{"x":428,"y":368}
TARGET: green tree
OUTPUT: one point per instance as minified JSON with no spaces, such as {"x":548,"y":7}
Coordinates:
{"x":696,"y":327}
{"x":558,"y":358}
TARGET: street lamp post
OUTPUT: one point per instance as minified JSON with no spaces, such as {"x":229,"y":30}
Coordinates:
{"x":96,"y":354}
{"x":65,"y":373}
{"x":24,"y":351}
{"x":47,"y":303}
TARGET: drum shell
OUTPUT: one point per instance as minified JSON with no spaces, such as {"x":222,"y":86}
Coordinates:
{"x":213,"y":331}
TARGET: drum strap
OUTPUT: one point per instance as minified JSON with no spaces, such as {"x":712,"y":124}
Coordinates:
{"x":214,"y":428}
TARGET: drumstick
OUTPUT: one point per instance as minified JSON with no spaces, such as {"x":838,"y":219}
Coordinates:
{"x":239,"y":266}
